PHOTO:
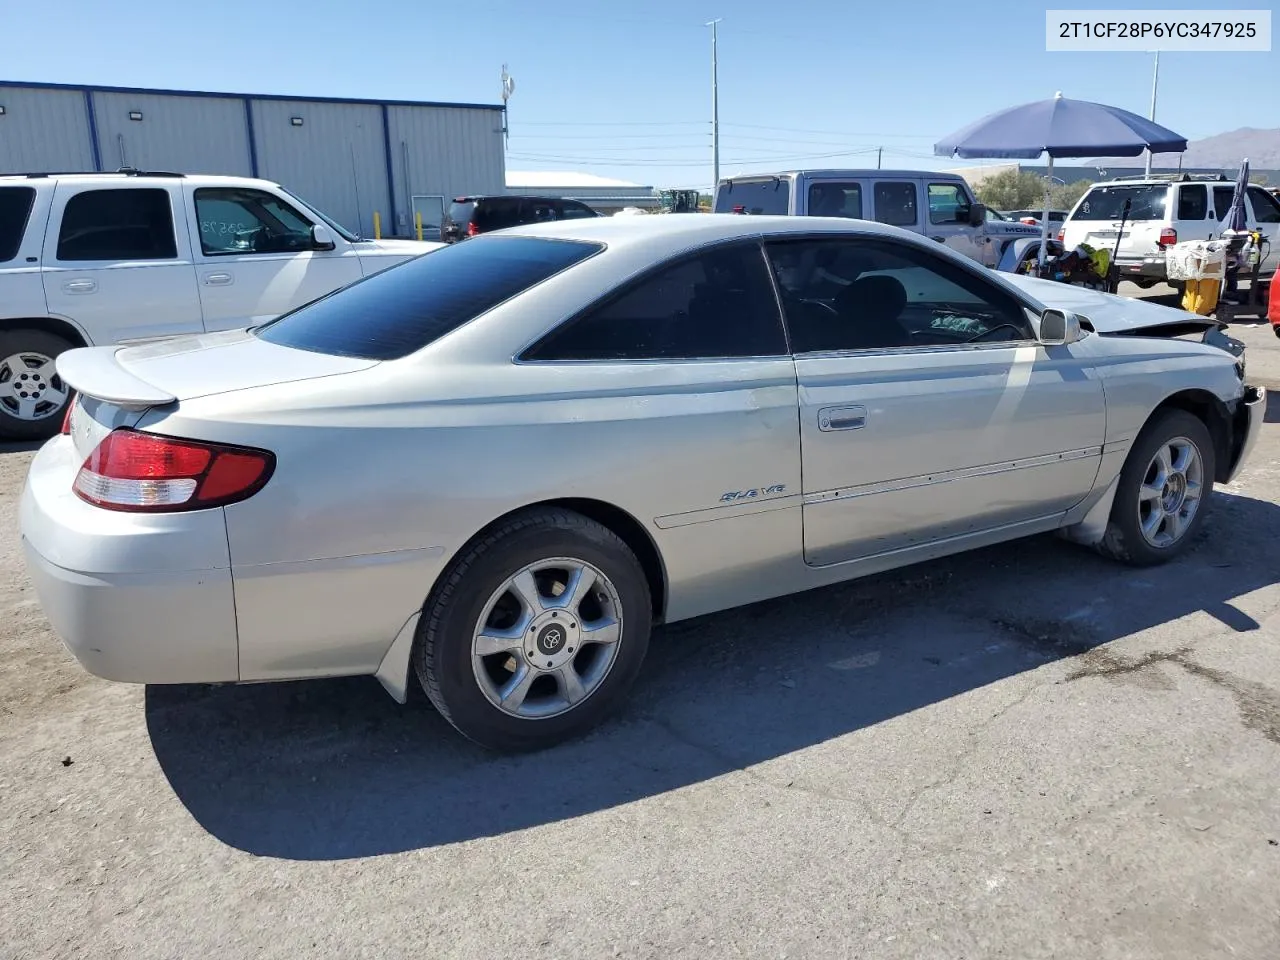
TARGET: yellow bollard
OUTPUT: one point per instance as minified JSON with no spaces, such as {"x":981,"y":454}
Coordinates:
{"x":417,"y":223}
{"x":377,"y":225}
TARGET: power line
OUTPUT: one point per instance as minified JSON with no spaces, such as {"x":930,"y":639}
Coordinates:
{"x":682,"y":162}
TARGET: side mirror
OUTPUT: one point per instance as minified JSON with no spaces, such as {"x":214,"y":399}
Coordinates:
{"x":977,"y":214}
{"x":1058,"y":328}
{"x":321,"y":239}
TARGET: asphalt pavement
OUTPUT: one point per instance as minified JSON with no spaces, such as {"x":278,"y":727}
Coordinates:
{"x":1019,"y":753}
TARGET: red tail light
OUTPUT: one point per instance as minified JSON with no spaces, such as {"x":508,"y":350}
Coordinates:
{"x":1168,"y":237}
{"x":145,"y":473}
{"x":1031,"y":221}
{"x":471,"y":229}
{"x":1062,"y":235}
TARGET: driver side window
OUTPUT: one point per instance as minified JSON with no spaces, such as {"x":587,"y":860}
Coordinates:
{"x":238,"y":221}
{"x":874,"y":294}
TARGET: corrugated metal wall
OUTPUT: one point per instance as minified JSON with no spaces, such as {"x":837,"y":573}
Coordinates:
{"x":185,"y":134}
{"x":43,"y":130}
{"x":451,"y":151}
{"x":337,"y":159}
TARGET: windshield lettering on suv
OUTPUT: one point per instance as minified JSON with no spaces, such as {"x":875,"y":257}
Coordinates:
{"x":1146,"y":202}
{"x":400,"y":310}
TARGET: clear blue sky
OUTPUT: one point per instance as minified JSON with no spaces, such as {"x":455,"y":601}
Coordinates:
{"x":621,"y":88}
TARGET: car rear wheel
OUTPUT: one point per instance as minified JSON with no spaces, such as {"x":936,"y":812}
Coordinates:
{"x":1163,"y":493}
{"x":33,"y":398}
{"x":536,"y":632}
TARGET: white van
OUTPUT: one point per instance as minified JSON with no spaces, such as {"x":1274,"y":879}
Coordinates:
{"x":938,"y":205}
{"x":101,"y":258}
{"x":1164,"y":210}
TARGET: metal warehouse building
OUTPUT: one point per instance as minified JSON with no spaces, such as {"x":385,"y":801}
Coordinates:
{"x":348,"y":158}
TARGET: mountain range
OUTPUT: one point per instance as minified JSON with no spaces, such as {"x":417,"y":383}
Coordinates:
{"x":1226,"y":150}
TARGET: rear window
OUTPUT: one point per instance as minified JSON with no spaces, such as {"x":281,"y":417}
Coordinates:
{"x":1146,"y":202}
{"x":756,"y":197}
{"x":393,"y":313}
{"x":15,"y":207}
{"x":460,"y":211}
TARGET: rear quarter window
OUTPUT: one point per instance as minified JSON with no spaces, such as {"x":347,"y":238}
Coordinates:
{"x":395,"y":312}
{"x":15,"y":208}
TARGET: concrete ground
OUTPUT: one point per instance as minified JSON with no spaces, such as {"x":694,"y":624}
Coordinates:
{"x":1019,"y":753}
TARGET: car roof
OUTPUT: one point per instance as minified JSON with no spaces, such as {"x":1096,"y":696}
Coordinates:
{"x":847,"y":172}
{"x":674,"y":231}
{"x":151,"y":178}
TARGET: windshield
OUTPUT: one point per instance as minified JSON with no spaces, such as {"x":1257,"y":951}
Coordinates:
{"x":336,"y":227}
{"x":1146,"y":202}
{"x":398,"y":311}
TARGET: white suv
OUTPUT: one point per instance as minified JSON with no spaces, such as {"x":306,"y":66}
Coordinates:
{"x":92,"y":259}
{"x":1164,"y":211}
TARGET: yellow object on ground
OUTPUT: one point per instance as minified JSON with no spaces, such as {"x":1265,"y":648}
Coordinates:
{"x":1201,"y":296}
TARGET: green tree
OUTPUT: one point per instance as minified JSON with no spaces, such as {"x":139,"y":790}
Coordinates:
{"x":1011,"y":190}
{"x":1063,"y":196}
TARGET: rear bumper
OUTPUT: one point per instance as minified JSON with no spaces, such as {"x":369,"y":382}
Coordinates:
{"x":137,"y":598}
{"x":1249,"y":417}
{"x":1152,"y":267}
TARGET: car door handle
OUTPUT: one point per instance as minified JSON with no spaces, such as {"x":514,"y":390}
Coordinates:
{"x":842,"y":418}
{"x":939,"y":239}
{"x":218,"y":279}
{"x":80,"y":286}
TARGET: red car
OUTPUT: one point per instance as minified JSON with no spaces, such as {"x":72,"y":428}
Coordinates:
{"x":1273,"y":307}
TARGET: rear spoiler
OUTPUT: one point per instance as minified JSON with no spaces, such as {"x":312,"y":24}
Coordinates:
{"x":95,"y":372}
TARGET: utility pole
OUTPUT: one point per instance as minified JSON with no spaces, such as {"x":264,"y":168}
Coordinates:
{"x":715,"y":112}
{"x":1155,"y":82}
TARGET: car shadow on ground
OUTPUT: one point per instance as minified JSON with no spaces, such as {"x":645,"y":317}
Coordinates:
{"x":321,"y":770}
{"x":20,"y":446}
{"x":1273,"y":407}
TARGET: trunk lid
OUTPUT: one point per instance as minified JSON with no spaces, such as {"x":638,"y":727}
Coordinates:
{"x":116,"y":385}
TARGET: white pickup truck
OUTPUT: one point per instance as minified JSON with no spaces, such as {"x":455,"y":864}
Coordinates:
{"x":937,"y":205}
{"x":102,"y":258}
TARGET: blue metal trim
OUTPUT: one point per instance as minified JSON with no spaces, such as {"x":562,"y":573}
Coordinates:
{"x":253,"y":140}
{"x":391,"y":173}
{"x":93,"y":131}
{"x":247,"y":96}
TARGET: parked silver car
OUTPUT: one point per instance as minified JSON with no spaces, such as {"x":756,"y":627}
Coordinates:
{"x":498,"y":465}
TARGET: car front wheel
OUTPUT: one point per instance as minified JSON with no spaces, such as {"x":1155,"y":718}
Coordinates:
{"x":1163,"y":492}
{"x":536,"y":631}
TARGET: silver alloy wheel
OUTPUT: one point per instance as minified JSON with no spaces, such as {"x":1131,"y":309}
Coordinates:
{"x":30,"y":388}
{"x":547,"y":638}
{"x":1171,"y":492}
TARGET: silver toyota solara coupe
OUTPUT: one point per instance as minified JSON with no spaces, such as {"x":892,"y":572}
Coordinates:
{"x":497,"y":466}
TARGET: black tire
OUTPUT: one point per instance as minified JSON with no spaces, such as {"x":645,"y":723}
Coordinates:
{"x":1123,"y":540}
{"x":15,"y":343}
{"x":442,"y":648}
